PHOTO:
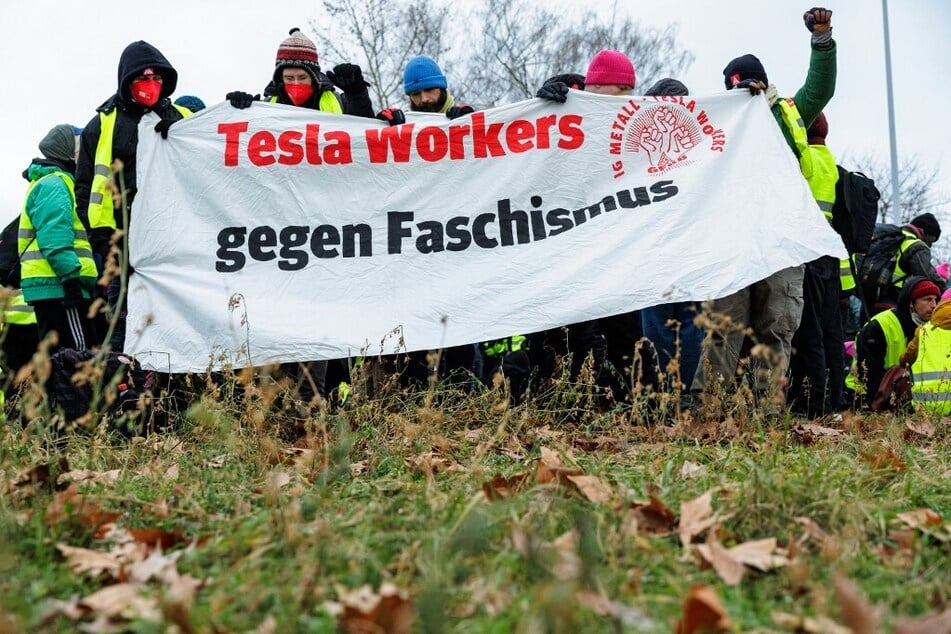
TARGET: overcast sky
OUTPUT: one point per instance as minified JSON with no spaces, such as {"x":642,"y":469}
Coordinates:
{"x":59,"y":61}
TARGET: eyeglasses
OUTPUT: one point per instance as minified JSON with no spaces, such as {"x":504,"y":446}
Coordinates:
{"x":147,"y":77}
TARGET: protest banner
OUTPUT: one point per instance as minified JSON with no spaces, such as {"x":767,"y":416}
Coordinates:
{"x":279,"y":234}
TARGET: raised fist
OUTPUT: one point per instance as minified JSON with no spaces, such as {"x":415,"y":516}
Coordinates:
{"x":818,"y":20}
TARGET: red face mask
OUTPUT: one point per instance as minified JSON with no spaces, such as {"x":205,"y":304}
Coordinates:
{"x":299,"y":93}
{"x":146,"y":91}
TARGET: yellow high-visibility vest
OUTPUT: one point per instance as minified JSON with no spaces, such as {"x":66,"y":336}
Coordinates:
{"x":895,"y":345}
{"x":931,"y":371}
{"x":797,"y":129}
{"x":33,"y":264}
{"x":101,"y":212}
{"x":899,"y":276}
{"x":17,"y":312}
{"x":498,"y":347}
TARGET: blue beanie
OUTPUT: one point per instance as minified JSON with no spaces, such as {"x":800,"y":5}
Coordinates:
{"x":422,"y":73}
{"x":191,"y":102}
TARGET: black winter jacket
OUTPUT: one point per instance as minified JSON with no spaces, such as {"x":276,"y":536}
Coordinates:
{"x":135,"y":58}
{"x":871,"y":345}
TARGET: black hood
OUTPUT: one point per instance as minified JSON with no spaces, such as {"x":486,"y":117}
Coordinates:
{"x":136,"y":58}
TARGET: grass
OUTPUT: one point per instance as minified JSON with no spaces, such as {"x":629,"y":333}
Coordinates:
{"x":283,"y":516}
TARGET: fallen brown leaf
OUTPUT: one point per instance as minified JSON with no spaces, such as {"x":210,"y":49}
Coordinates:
{"x":691,"y":470}
{"x":567,"y":564}
{"x":762,"y":554}
{"x":431,"y":463}
{"x":918,"y":428}
{"x":703,"y":611}
{"x":808,"y":625}
{"x":696,"y":516}
{"x":857,"y":613}
{"x":654,"y":517}
{"x":39,"y":476}
{"x":388,"y":612}
{"x":501,"y":487}
{"x":884,"y":460}
{"x":122,"y":600}
{"x":921,"y":518}
{"x":95,"y":562}
{"x":87,"y":476}
{"x":725,"y":565}
{"x":157,"y":537}
{"x":928,"y":624}
{"x":600,"y":443}
{"x":624,"y":614}
{"x":595,"y":488}
{"x":69,"y":505}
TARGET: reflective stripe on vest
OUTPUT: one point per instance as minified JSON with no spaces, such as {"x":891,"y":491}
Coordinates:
{"x":895,"y":345}
{"x":328,"y":102}
{"x":797,"y":129}
{"x":931,"y":371}
{"x":17,"y":311}
{"x":497,"y":347}
{"x":899,"y":276}
{"x":846,"y":279}
{"x":825,"y":175}
{"x":101,"y":212}
{"x":33,"y":263}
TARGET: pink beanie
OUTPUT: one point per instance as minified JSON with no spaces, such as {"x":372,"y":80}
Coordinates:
{"x":610,"y":68}
{"x":945,"y":295}
{"x":944,"y":270}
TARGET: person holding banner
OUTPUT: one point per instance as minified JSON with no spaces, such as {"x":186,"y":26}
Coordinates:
{"x":615,"y":343}
{"x":428,"y":91}
{"x":298,"y":81}
{"x":771,"y":307}
{"x":146,"y":80}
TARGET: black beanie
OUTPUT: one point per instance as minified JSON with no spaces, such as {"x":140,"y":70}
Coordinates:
{"x":744,"y":67}
{"x":667,"y":87}
{"x":928,"y":224}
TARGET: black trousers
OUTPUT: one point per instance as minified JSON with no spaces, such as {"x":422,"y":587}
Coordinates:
{"x":817,"y":365}
{"x":73,"y":328}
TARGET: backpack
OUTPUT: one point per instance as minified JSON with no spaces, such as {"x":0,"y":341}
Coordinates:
{"x":855,"y":209}
{"x":875,"y":269}
{"x":9,"y":255}
{"x":122,"y":381}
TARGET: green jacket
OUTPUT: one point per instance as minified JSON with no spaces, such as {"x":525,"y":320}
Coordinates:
{"x":815,"y":93}
{"x":51,"y":208}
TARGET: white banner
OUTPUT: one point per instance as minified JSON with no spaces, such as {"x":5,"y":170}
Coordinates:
{"x":278,"y":234}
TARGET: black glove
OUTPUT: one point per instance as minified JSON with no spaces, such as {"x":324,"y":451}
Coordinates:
{"x":162,"y":127}
{"x":73,"y":293}
{"x":459,"y":111}
{"x":553,"y":91}
{"x":393,"y":116}
{"x":348,"y":78}
{"x":242,"y":100}
{"x":753,"y":85}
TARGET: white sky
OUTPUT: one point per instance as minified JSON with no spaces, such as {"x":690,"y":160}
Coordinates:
{"x":58,"y":62}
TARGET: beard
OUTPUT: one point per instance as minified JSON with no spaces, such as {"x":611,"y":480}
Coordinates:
{"x":437,"y":106}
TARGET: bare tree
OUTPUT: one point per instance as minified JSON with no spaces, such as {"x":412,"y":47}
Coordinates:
{"x":919,"y":191}
{"x":521,"y":45}
{"x":381,"y":36}
{"x":500,"y":52}
{"x":917,"y":185}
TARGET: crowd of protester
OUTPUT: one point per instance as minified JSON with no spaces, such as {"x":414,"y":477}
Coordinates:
{"x":789,"y":331}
